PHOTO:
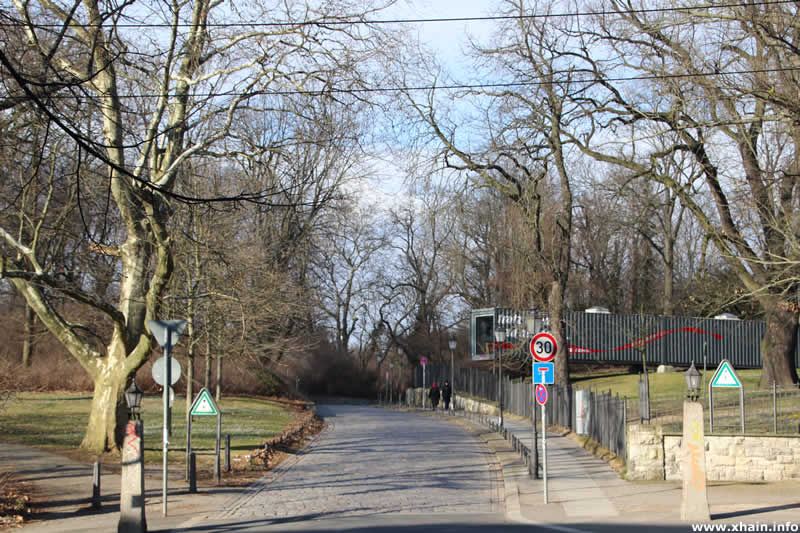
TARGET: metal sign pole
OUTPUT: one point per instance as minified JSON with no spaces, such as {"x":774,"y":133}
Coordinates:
{"x":216,"y":448}
{"x":544,"y":450}
{"x":165,"y":437}
{"x":163,"y":331}
{"x":535,"y":446}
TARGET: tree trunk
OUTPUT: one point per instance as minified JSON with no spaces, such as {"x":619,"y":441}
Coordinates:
{"x":779,"y":344}
{"x":669,"y":263}
{"x":105,"y":430}
{"x":207,"y":373}
{"x":27,"y":341}
{"x":555,"y":305}
{"x":218,"y":393}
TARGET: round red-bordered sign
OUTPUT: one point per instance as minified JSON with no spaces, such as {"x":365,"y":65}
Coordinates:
{"x":423,"y":361}
{"x":543,"y":347}
{"x":541,"y":394}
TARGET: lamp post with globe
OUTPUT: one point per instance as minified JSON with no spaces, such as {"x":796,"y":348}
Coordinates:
{"x":500,"y":337}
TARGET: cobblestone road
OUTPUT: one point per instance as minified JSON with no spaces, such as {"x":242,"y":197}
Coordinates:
{"x":372,"y":461}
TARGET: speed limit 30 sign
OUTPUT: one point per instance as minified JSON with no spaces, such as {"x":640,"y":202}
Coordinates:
{"x":543,"y":347}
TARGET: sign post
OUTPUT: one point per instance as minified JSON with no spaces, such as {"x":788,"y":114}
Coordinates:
{"x":724,"y":377}
{"x":423,"y":362}
{"x":204,"y":405}
{"x":543,"y":348}
{"x":166,"y":333}
{"x":541,"y":399}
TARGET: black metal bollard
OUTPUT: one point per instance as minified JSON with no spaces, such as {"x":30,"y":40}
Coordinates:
{"x":192,"y":473}
{"x":96,"y":486}
{"x":227,"y":453}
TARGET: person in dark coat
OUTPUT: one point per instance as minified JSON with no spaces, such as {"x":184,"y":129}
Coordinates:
{"x":447,"y":392}
{"x":434,"y":395}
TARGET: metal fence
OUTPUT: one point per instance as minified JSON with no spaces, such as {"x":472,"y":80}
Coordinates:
{"x":604,"y":415}
{"x":774,"y":411}
{"x":604,"y":419}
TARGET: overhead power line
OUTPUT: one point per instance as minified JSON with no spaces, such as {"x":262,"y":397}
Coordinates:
{"x":352,"y":22}
{"x":454,"y":86}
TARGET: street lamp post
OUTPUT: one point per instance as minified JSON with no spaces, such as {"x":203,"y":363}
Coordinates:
{"x":500,"y":337}
{"x":452,"y":345}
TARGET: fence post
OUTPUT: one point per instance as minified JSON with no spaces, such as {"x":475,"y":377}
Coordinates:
{"x":625,"y":426}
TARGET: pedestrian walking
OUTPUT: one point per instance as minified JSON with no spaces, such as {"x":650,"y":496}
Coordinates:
{"x":434,"y":395}
{"x":447,"y":392}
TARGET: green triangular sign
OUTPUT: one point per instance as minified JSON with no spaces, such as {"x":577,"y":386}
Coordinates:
{"x":725,"y":376}
{"x":204,"y":405}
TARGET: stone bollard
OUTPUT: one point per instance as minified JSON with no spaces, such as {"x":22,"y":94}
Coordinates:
{"x":694,"y":500}
{"x":131,"y":503}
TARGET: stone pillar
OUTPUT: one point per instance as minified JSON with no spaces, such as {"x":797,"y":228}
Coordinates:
{"x":131,"y":504}
{"x":694,"y":501}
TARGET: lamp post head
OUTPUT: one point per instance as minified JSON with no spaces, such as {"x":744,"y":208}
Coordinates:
{"x":452,"y":344}
{"x":692,"y":382}
{"x":500,"y":334}
{"x":133,"y":397}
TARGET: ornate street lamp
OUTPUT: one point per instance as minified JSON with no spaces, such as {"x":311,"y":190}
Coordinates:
{"x":500,"y":337}
{"x":692,"y":383}
{"x":133,"y":397}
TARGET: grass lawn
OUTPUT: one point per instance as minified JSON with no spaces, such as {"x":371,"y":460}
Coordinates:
{"x":58,"y":422}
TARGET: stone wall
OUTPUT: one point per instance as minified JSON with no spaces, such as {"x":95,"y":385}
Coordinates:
{"x":645,"y":452}
{"x":654,"y":455}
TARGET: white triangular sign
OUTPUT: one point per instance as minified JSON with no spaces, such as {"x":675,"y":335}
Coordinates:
{"x":725,"y":376}
{"x":204,"y":405}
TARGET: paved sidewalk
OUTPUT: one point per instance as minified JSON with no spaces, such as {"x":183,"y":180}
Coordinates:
{"x":584,"y":491}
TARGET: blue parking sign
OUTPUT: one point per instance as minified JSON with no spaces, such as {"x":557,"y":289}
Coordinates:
{"x":543,"y":373}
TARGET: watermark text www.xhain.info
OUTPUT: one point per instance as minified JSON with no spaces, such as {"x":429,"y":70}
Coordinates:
{"x":757,"y":526}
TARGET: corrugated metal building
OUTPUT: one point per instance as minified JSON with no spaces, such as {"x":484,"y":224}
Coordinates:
{"x":610,"y":338}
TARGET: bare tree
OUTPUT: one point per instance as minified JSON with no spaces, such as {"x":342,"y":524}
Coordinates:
{"x":522,"y":152}
{"x":721,"y":92}
{"x":416,"y":285}
{"x":343,"y":271}
{"x":159,"y":87}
